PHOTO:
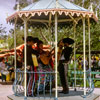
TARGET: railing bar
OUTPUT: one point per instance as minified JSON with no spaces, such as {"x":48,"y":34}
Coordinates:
{"x":39,"y":84}
{"x":47,"y":78}
{"x":36,"y":72}
{"x":33,"y":86}
{"x":15,"y":84}
{"x":17,"y":79}
{"x":44,"y":84}
{"x":20,"y":82}
{"x":28,"y":84}
{"x":19,"y":89}
{"x":23,"y":81}
{"x":50,"y":85}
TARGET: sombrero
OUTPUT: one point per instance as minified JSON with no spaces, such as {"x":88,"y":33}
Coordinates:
{"x":68,"y":40}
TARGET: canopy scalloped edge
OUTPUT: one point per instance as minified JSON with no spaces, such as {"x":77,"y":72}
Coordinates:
{"x":53,"y":11}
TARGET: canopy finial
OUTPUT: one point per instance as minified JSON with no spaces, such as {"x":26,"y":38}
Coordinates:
{"x":56,"y":3}
{"x":91,"y":7}
{"x":18,"y":7}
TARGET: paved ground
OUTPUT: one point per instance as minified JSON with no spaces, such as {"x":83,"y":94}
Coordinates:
{"x":6,"y":89}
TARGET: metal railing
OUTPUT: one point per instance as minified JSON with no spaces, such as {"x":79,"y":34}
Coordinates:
{"x":39,"y":84}
{"x":80,"y":78}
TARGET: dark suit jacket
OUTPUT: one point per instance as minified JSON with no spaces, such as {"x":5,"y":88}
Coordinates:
{"x":30,"y":51}
{"x":67,"y":52}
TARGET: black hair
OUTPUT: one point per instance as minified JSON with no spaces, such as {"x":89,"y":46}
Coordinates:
{"x":39,"y":42}
{"x":35,"y":40}
{"x":30,"y":38}
{"x":1,"y":59}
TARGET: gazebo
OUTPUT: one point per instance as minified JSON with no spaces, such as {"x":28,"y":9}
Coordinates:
{"x":45,"y":12}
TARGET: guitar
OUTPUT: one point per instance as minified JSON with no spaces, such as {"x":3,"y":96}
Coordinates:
{"x":46,"y":56}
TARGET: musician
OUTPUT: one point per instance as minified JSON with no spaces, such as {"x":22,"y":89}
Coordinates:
{"x":30,"y":67}
{"x":44,"y":56}
{"x":63,"y":65}
{"x":40,"y":47}
{"x":30,"y":42}
{"x":44,"y":67}
{"x":41,"y":52}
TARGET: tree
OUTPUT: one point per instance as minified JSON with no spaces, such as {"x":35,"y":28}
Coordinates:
{"x":21,"y":4}
{"x":19,"y":36}
{"x":2,"y":29}
{"x":3,"y":36}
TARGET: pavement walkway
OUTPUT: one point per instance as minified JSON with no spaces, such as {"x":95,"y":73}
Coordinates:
{"x":6,"y":90}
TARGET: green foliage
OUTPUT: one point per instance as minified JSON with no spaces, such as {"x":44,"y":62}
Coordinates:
{"x":19,"y":40}
{"x":3,"y":35}
{"x":2,"y":32}
{"x":95,"y":36}
{"x":22,"y":4}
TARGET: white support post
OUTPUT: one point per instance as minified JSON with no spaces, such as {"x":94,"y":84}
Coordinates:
{"x":15,"y":52}
{"x":75,"y":56}
{"x":25,"y":58}
{"x":89,"y":49}
{"x":84,"y":56}
{"x":56,"y":25}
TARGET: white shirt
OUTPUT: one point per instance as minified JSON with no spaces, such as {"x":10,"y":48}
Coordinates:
{"x":62,"y":57}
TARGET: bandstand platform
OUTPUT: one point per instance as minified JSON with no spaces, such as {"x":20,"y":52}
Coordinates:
{"x":73,"y":95}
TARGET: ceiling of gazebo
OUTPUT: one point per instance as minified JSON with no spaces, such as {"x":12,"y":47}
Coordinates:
{"x":40,"y":11}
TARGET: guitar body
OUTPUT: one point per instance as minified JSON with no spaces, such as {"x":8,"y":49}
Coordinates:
{"x":45,"y":58}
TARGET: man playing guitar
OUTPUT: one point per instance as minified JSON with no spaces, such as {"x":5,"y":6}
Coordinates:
{"x":64,"y":58}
